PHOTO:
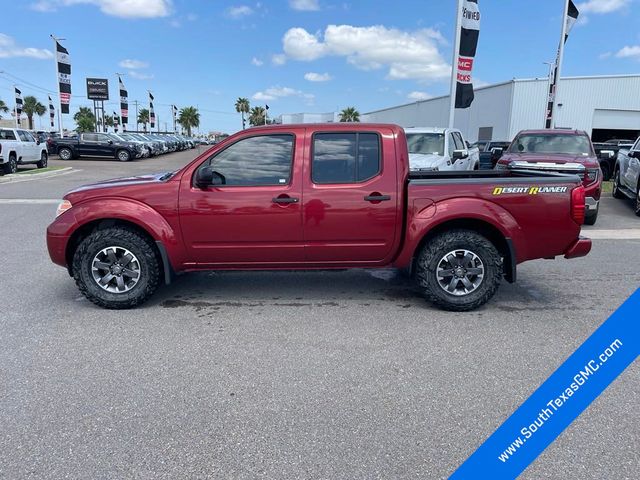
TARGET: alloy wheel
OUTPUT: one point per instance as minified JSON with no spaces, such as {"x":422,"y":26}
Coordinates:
{"x":460,"y":272}
{"x":115,"y":269}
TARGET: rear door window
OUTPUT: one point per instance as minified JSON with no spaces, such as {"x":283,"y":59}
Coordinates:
{"x":7,"y":135}
{"x":345,"y":157}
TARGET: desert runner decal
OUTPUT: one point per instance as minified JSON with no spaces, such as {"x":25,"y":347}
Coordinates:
{"x":529,"y":190}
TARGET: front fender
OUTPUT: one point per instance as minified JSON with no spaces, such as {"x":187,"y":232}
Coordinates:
{"x":425,"y":215}
{"x":129,"y":210}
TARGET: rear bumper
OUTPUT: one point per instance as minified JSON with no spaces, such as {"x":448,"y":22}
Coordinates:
{"x":579,"y":248}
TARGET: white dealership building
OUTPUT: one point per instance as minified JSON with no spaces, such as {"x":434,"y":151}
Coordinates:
{"x":604,"y":106}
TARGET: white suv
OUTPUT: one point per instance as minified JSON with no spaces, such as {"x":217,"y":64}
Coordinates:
{"x":20,"y":147}
{"x":438,"y":149}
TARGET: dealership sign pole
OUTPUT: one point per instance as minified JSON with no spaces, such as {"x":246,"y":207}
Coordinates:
{"x":464,"y":52}
{"x":569,"y":19}
{"x":63,"y":69}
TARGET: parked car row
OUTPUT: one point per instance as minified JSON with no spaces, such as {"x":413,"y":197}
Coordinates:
{"x":124,"y":146}
{"x":20,"y":147}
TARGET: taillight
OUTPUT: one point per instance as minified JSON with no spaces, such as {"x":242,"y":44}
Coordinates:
{"x":577,"y":205}
{"x":591,"y":176}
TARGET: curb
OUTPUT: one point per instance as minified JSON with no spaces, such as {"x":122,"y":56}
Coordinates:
{"x":17,"y":177}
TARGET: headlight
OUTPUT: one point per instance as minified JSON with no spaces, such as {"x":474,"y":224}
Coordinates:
{"x":63,"y":207}
{"x":591,"y":176}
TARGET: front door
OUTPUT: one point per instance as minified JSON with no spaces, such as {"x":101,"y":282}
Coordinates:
{"x":351,"y":199}
{"x":253,"y":216}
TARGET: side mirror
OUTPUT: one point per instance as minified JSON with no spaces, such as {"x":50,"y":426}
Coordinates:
{"x":37,"y":141}
{"x":459,"y":154}
{"x":207,"y":176}
{"x":496,"y":153}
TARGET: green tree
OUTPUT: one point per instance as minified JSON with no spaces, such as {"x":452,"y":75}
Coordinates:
{"x":143,"y":118}
{"x":3,"y":108}
{"x":189,"y":118}
{"x":85,"y":120}
{"x":31,"y":106}
{"x":108,"y":121}
{"x":350,"y":114}
{"x":242,"y":107}
{"x":257,"y":116}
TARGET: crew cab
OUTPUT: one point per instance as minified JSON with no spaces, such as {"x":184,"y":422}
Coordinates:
{"x":98,"y":145}
{"x":20,"y":147}
{"x":440,"y":149}
{"x":626,"y":176}
{"x":559,"y":150}
{"x":323,"y":196}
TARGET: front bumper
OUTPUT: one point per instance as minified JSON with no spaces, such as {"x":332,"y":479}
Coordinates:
{"x":580,"y":248}
{"x":591,"y":204}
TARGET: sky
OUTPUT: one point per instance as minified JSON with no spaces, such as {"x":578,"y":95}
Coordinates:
{"x":296,"y":55}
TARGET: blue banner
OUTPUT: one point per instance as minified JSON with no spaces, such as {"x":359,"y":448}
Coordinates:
{"x":560,"y":399}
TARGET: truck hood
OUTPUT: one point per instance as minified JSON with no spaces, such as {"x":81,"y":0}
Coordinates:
{"x":422,"y":161}
{"x":121,"y":182}
{"x":547,"y":158}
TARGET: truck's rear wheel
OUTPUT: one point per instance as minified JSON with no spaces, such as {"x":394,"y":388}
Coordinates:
{"x":116,"y":268}
{"x":591,"y":216}
{"x":12,"y":165}
{"x":459,"y":270}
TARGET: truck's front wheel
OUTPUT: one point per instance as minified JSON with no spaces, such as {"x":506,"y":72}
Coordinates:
{"x":459,"y":270}
{"x":116,"y":268}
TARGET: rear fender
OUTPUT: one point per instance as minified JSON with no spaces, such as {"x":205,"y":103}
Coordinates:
{"x":426,"y":217}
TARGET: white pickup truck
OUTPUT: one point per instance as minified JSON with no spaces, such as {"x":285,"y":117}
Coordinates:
{"x":20,"y":147}
{"x":440,"y":149}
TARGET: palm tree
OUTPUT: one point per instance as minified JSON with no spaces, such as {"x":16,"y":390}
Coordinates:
{"x":108,"y":121}
{"x":350,"y":114}
{"x":189,"y":118}
{"x":242,"y":107}
{"x":31,"y":106}
{"x":257,"y":116}
{"x":143,"y":118}
{"x":85,"y":120}
{"x":3,"y":107}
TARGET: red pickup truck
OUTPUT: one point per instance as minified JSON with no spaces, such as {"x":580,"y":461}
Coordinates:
{"x":316,"y":197}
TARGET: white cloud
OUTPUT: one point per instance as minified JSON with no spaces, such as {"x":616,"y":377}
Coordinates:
{"x":240,"y":11}
{"x":133,"y":64}
{"x":279,"y":59}
{"x":116,"y":8}
{"x":140,"y":75}
{"x":407,"y":55}
{"x":257,"y":62}
{"x":605,"y":55}
{"x":274,"y":93}
{"x":9,"y":48}
{"x":317,"y":77}
{"x":629,"y":52}
{"x":602,"y":6}
{"x":417,"y":96}
{"x":304,"y":5}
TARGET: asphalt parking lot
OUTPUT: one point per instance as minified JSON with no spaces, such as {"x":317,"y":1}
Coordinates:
{"x":338,"y":375}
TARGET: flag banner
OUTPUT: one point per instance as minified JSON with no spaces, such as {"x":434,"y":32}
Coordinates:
{"x":570,"y":21}
{"x":64,"y":77}
{"x":470,"y":31}
{"x":18,"y":105}
{"x":115,"y":122}
{"x":560,"y":399}
{"x":152,"y":114}
{"x":124,"y":103}
{"x":52,"y":111}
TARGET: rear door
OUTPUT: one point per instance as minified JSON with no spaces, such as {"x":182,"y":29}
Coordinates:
{"x":254,"y":218}
{"x":351,"y":198}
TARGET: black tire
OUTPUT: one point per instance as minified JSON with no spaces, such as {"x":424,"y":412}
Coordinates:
{"x":616,"y":192}
{"x":432,"y":255}
{"x":65,"y":153}
{"x":43,"y":160}
{"x":123,"y":155}
{"x":637,"y":207}
{"x":12,"y":165}
{"x":606,"y":172}
{"x":147,"y":260}
{"x":591,"y":216}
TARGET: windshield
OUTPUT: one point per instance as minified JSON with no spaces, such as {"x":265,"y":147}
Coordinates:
{"x":550,"y":144}
{"x":426,"y":143}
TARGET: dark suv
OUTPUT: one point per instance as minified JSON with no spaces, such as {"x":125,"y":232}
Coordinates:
{"x":98,"y":145}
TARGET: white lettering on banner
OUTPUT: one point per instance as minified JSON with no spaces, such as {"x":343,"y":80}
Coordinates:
{"x":63,"y":57}
{"x":64,"y":78}
{"x":471,"y":16}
